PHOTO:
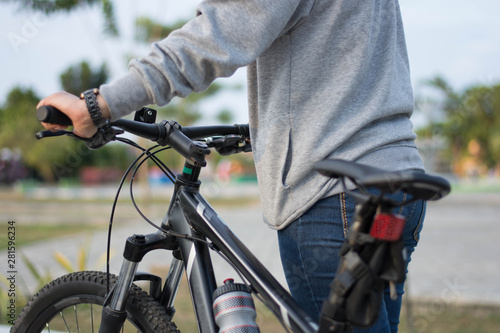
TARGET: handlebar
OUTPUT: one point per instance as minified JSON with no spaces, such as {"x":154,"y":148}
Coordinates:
{"x":51,"y":115}
{"x":164,"y":133}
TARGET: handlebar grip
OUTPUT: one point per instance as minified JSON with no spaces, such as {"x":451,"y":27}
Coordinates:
{"x":51,"y":115}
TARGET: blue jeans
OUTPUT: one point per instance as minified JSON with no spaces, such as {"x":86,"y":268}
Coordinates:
{"x":310,"y":246}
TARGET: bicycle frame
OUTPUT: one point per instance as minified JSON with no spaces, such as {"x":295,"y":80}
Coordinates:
{"x":190,"y":214}
{"x":201,"y":216}
{"x":192,"y":227}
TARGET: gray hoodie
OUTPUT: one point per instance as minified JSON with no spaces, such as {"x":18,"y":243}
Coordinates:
{"x":326,"y":78}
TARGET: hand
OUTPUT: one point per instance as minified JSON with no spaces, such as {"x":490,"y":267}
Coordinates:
{"x":76,"y":109}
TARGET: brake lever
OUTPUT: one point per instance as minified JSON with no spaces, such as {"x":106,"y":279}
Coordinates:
{"x":48,"y":134}
{"x":230,"y":140}
{"x":229,"y":144}
{"x":103,"y":136}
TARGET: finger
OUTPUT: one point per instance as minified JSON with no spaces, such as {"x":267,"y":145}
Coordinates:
{"x":54,"y":127}
{"x":86,"y":134}
{"x":41,"y":103}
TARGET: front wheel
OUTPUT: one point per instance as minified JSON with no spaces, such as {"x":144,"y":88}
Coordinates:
{"x":73,"y":303}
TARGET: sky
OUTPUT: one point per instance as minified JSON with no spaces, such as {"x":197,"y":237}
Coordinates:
{"x":456,"y":39}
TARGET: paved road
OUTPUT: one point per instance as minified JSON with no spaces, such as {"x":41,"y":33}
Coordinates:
{"x":457,"y":258}
{"x":455,"y":261}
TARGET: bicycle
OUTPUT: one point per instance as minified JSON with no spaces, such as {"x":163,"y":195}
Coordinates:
{"x":372,"y":255}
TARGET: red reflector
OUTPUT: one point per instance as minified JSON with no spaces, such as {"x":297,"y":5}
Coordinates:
{"x":388,"y":227}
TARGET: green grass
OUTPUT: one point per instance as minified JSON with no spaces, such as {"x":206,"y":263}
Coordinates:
{"x":425,"y":317}
{"x":451,"y":318}
{"x":27,"y":234}
{"x":478,"y":186}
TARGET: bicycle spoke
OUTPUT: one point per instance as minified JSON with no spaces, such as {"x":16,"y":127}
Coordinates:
{"x":65,"y":323}
{"x":76,"y":318}
{"x":92,"y":317}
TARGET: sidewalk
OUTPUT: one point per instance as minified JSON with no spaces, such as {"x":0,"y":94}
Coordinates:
{"x":457,"y":259}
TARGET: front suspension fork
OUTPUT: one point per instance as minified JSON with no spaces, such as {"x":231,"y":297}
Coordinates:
{"x":113,"y":312}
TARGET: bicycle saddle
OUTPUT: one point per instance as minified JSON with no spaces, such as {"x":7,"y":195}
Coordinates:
{"x":419,"y":185}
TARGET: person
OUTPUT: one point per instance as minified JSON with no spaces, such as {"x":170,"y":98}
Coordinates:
{"x":326,"y":79}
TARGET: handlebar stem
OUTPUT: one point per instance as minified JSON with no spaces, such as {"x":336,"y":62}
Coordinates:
{"x":170,"y":132}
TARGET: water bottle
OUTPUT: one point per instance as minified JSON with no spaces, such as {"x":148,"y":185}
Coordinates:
{"x":234,"y":308}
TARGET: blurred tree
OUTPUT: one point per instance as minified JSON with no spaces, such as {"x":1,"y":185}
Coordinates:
{"x":225,"y":116}
{"x":149,"y":31}
{"x":80,"y":77}
{"x":55,"y":6}
{"x":481,"y":122}
{"x":59,"y":157}
{"x":18,"y":126}
{"x":117,"y":155}
{"x":186,"y":110}
{"x":63,"y":156}
{"x":471,"y":116}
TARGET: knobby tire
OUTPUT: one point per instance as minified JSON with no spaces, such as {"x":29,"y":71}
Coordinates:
{"x":59,"y":301}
